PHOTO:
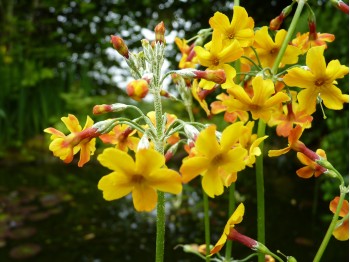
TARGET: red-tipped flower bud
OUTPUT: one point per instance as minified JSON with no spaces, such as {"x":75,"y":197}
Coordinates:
{"x":160,"y":32}
{"x":277,"y":21}
{"x":137,"y":89}
{"x":217,"y":76}
{"x":119,"y":44}
{"x":341,"y":6}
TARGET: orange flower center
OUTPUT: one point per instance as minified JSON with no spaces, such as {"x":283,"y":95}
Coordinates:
{"x":137,"y":179}
{"x":217,"y":160}
{"x":273,"y":51}
{"x":319,"y":82}
{"x":216,"y":61}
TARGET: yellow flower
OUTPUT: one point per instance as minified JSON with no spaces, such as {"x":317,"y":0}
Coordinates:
{"x":216,"y":55}
{"x":215,"y":161}
{"x":318,"y":80}
{"x":80,"y":139}
{"x":240,"y":28}
{"x":142,"y":177}
{"x":267,"y":49}
{"x":236,"y":218}
{"x":261,"y":104}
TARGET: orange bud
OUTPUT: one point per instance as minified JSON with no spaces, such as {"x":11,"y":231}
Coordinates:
{"x":119,"y":44}
{"x":137,"y":89}
{"x":160,"y":32}
{"x":101,"y":109}
{"x":276,"y":22}
{"x":217,"y":76}
{"x":341,"y":6}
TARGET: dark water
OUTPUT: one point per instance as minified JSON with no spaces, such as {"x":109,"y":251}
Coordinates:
{"x":56,"y":213}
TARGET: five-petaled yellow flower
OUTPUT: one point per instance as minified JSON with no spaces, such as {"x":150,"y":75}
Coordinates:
{"x":262,"y":103}
{"x":215,"y":161}
{"x":318,"y":80}
{"x":267,"y":49}
{"x":240,"y":28}
{"x":142,"y":177}
{"x":79,"y":140}
{"x":236,"y":218}
{"x":216,"y":55}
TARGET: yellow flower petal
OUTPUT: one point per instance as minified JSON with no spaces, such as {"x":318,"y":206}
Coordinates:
{"x":212,"y":183}
{"x":117,"y":160}
{"x":165,"y":180}
{"x":72,"y":123}
{"x":144,"y":198}
{"x":114,"y":186}
{"x":192,"y":167}
{"x":206,"y":143}
{"x":315,"y":60}
{"x":148,"y":160}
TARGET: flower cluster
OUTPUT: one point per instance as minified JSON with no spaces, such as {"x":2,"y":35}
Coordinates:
{"x":255,"y":77}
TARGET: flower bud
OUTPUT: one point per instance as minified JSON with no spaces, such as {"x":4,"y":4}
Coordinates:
{"x":341,"y":6}
{"x":312,"y":25}
{"x":137,"y":89}
{"x":101,"y":109}
{"x":119,"y":44}
{"x":216,"y":76}
{"x":143,"y":143}
{"x":160,"y":32}
{"x":277,"y":21}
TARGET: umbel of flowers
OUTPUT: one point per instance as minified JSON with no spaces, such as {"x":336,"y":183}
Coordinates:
{"x":256,"y":78}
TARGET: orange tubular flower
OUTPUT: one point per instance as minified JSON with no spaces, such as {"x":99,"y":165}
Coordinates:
{"x":293,"y":143}
{"x":235,"y":218}
{"x":341,"y":232}
{"x":83,"y":140}
{"x":311,"y":168}
{"x":288,"y":116}
{"x":121,"y":137}
{"x":188,"y":59}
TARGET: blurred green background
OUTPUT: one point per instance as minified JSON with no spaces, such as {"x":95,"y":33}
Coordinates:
{"x":55,"y":59}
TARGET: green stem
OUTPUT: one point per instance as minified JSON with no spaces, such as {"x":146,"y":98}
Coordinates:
{"x":231,"y":207}
{"x":289,"y":35}
{"x":206,"y":225}
{"x":160,"y":237}
{"x":260,"y":190}
{"x":160,"y":227}
{"x":330,"y":230}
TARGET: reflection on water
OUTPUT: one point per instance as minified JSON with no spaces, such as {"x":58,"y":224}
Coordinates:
{"x":56,"y":213}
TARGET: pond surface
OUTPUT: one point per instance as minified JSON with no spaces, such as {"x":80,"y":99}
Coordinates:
{"x":56,"y":213}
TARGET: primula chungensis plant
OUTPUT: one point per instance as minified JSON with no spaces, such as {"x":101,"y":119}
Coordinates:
{"x":253,"y":77}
